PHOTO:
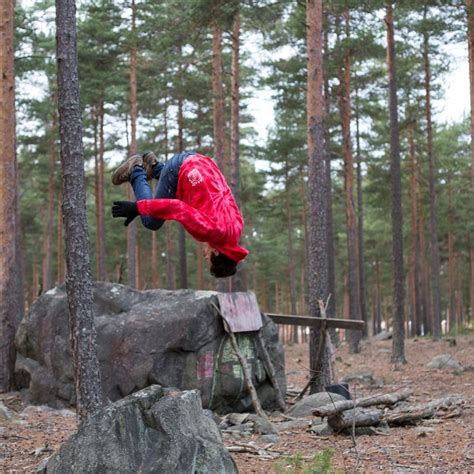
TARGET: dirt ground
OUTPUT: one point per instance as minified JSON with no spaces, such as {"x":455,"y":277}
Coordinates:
{"x":32,"y":434}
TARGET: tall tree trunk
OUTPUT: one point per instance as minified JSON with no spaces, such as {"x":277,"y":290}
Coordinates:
{"x":11,"y":291}
{"x":470,"y":23}
{"x":34,"y":280}
{"x":79,"y":280}
{"x":218,"y":96}
{"x":378,"y":300}
{"x":170,"y":265}
{"x":398,"y":343}
{"x":183,"y":264}
{"x":360,"y":227}
{"x":132,"y":244}
{"x":305,"y":250}
{"x":221,"y":284}
{"x":330,"y":222}
{"x":425,"y":281}
{"x":61,"y":274}
{"x":434,"y":245}
{"x":155,"y":261}
{"x":415,"y":243}
{"x":351,"y":229}
{"x":199,"y":266}
{"x":100,"y":206}
{"x":317,"y":192}
{"x":238,"y":281}
{"x":451,"y":261}
{"x":289,"y":232}
{"x":47,"y":276}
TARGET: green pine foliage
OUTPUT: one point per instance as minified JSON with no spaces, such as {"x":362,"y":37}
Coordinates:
{"x":173,"y":40}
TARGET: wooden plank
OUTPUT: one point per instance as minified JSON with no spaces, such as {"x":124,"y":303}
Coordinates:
{"x":240,"y":310}
{"x":316,"y":321}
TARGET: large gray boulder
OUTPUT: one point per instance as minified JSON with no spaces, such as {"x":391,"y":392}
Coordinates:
{"x":169,"y":338}
{"x":155,"y":430}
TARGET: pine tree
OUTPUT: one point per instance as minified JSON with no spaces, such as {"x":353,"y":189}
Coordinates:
{"x":398,"y":346}
{"x":11,"y":291}
{"x":79,"y":280}
{"x":318,"y":276}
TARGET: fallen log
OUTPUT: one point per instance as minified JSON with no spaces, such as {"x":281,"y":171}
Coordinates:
{"x":408,"y":417}
{"x":355,"y":417}
{"x":383,"y":399}
{"x":412,"y":414}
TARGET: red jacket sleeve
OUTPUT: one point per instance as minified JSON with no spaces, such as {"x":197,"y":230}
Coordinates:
{"x":199,"y":225}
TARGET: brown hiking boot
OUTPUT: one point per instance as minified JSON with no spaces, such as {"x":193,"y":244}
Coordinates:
{"x":149,"y":161}
{"x":123,"y":172}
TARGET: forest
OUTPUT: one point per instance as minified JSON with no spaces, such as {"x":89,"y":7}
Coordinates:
{"x":332,"y":124}
{"x":148,"y":82}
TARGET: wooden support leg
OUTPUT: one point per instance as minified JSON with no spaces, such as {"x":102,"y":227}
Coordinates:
{"x":247,"y":374}
{"x":271,"y":372}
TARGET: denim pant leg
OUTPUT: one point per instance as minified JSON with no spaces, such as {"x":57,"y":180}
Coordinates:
{"x":142,"y":190}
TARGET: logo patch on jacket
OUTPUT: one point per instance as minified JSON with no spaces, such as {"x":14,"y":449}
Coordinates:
{"x":195,"y":177}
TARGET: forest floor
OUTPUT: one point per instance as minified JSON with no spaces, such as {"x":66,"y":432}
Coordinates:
{"x":32,"y":433}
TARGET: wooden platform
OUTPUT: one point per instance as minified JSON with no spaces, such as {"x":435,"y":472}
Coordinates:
{"x":315,"y":321}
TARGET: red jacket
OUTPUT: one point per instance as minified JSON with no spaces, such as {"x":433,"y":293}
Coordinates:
{"x":204,"y":205}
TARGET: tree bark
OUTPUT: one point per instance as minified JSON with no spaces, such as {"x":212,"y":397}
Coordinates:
{"x":47,"y":276}
{"x":170,"y":264}
{"x":155,"y":261}
{"x":61,"y":275}
{"x":451,"y":262}
{"x":360,"y":229}
{"x":373,"y":400}
{"x":434,"y":245}
{"x":170,"y":267}
{"x":239,"y":280}
{"x":100,"y":215}
{"x":11,"y":291}
{"x":355,"y":417}
{"x":330,"y":221}
{"x":218,"y":96}
{"x":183,"y":263}
{"x":351,"y":230}
{"x":470,"y":23}
{"x":317,"y":191}
{"x":79,"y":280}
{"x":289,"y":231}
{"x":425,"y":281}
{"x":132,"y":245}
{"x":415,"y":243}
{"x":378,"y":300}
{"x":398,"y":343}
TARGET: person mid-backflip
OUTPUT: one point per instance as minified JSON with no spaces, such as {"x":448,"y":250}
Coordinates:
{"x":191,"y":190}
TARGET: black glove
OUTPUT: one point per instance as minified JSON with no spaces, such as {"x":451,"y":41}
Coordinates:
{"x":126,"y":209}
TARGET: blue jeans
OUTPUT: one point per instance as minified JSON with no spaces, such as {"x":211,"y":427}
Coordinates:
{"x":167,"y":176}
